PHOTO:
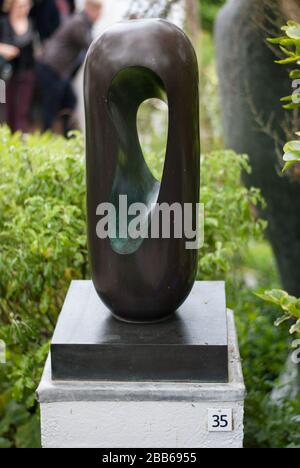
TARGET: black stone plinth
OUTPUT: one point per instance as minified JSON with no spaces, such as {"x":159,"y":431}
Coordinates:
{"x":90,"y":344}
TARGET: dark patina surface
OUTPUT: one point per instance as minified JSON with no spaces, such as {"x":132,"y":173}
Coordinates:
{"x":90,"y":344}
{"x":141,"y":280}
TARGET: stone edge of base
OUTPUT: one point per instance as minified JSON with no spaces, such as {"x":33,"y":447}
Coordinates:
{"x":50,"y":391}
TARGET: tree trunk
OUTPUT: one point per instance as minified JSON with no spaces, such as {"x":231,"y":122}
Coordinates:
{"x":255,"y":123}
{"x":192,"y":18}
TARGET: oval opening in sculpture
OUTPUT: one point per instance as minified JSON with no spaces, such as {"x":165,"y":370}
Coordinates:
{"x":130,"y":88}
{"x":152,"y":125}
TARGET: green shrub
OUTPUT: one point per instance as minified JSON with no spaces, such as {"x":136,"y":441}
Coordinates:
{"x":289,"y":304}
{"x":229,"y":217}
{"x":264,"y":350}
{"x":43,"y":247}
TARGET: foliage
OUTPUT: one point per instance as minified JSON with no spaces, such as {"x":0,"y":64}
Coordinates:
{"x":209,"y":11}
{"x":264,"y":352}
{"x":228,"y":209}
{"x":43,"y":247}
{"x":210,"y":118}
{"x":289,"y":304}
{"x":229,"y":219}
{"x":291,"y":153}
{"x":264,"y":349}
{"x":259,"y":267}
{"x":290,"y":46}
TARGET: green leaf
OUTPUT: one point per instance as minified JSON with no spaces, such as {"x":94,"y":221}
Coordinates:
{"x":282,"y":319}
{"x":289,"y":165}
{"x":292,"y":146}
{"x":295,"y":74}
{"x":292,"y":30}
{"x":295,"y":328}
{"x":294,"y":59}
{"x":286,"y":98}
{"x":287,"y":52}
{"x":291,"y":157}
{"x":292,"y":154}
{"x":291,"y":106}
{"x":284,"y":41}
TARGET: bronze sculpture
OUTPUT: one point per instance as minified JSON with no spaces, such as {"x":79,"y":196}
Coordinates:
{"x":141,"y":280}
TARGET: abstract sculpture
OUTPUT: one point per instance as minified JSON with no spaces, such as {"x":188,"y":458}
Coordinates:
{"x":141,"y":279}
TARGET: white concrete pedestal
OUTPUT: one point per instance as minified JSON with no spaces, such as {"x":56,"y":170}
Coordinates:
{"x":142,"y":415}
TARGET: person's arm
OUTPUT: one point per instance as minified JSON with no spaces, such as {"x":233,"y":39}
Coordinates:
{"x":80,"y":35}
{"x":7,"y":51}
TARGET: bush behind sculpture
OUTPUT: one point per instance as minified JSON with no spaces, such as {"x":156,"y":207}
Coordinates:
{"x":43,"y":247}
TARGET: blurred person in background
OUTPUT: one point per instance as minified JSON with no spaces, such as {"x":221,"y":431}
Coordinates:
{"x":48,"y":15}
{"x":65,"y":8}
{"x":17,"y":65}
{"x":61,"y":57}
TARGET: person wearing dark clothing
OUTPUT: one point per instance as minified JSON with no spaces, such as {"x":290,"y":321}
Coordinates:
{"x":62,"y":50}
{"x":48,"y":15}
{"x":57,"y":97}
{"x":65,"y":8}
{"x":60,"y":58}
{"x":16,"y":49}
